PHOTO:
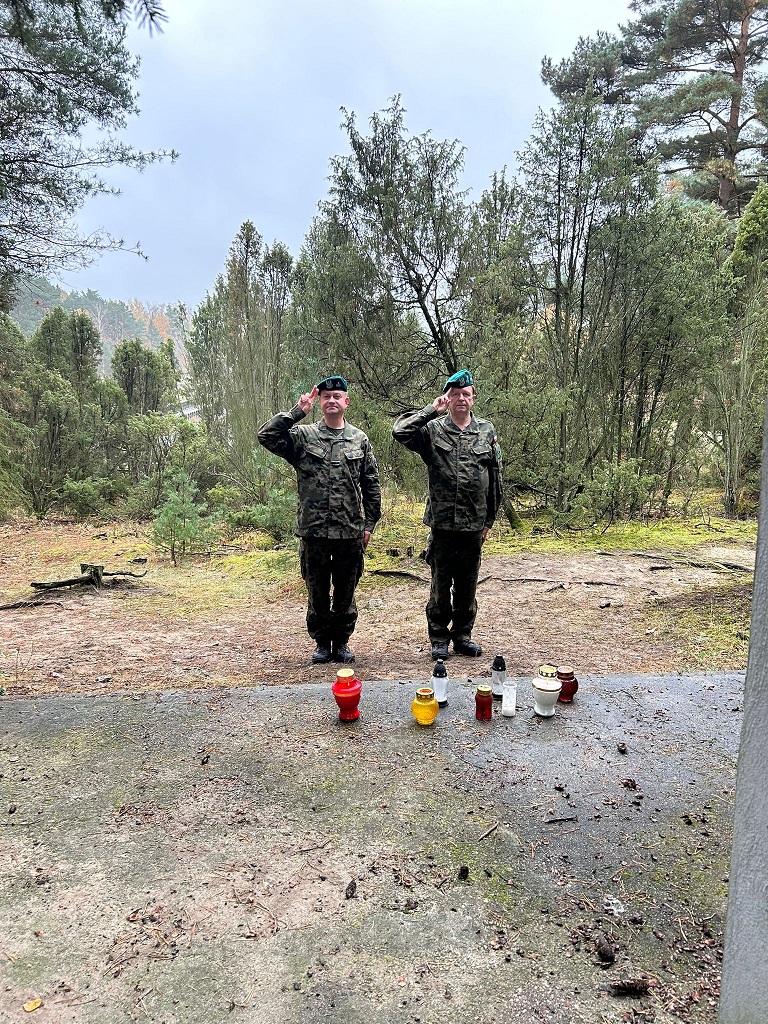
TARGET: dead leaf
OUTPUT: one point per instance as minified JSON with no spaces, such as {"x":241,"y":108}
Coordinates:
{"x":33,"y":1004}
{"x":629,"y":986}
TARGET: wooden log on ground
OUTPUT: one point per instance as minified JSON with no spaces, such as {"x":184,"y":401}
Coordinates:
{"x":92,"y":575}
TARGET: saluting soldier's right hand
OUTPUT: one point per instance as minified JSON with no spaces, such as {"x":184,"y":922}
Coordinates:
{"x":441,"y":403}
{"x":307,"y":401}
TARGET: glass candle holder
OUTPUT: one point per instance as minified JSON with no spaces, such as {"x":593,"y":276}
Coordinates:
{"x":346,"y":691}
{"x":424,"y":707}
{"x":509,"y":698}
{"x":484,"y":703}
{"x":546,"y":690}
{"x":569,"y":681}
{"x":498,"y":675}
{"x":439,"y":683}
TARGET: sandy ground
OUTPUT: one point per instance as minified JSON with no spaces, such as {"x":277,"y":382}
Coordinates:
{"x":588,"y":610}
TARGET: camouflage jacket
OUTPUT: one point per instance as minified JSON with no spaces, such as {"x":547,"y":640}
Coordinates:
{"x":463,"y":466}
{"x":339,"y":491}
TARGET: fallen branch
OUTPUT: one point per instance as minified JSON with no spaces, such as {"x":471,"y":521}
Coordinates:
{"x":317,"y":846}
{"x":399,"y":572}
{"x":504,"y":579}
{"x":567,"y":584}
{"x":680,"y":558}
{"x":75,"y":581}
{"x":635,"y":554}
{"x":515,"y":579}
{"x":594,"y":583}
{"x":488,"y":831}
{"x":543,"y":579}
{"x":29,"y":604}
{"x":734,"y":566}
{"x":91,"y":575}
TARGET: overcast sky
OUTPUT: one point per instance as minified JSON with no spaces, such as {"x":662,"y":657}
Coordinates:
{"x":249,"y":92}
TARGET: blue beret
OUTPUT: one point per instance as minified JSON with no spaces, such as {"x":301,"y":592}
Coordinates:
{"x":332,"y":384}
{"x":460,"y":379}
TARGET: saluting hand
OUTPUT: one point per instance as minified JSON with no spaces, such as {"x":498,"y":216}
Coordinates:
{"x":441,"y":403}
{"x":307,"y":401}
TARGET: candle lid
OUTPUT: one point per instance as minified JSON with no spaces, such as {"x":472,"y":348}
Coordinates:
{"x":439,"y":670}
{"x":425,"y":692}
{"x":345,"y":675}
{"x":484,"y":688}
{"x":546,"y":678}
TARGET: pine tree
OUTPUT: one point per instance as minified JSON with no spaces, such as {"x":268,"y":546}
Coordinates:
{"x":179,"y":526}
{"x":63,"y":66}
{"x":695,"y":73}
{"x":236,"y":352}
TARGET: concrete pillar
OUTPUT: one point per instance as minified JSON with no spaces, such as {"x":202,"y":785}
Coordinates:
{"x":744,"y":995}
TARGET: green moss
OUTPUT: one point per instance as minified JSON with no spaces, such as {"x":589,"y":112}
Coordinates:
{"x":29,"y":971}
{"x":674,"y":534}
{"x":709,"y":627}
{"x":202,"y":586}
{"x":684,"y":529}
{"x":494,"y":887}
{"x":692,"y":864}
{"x":262,"y":564}
{"x":330,"y":785}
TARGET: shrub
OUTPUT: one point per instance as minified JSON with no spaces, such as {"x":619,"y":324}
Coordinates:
{"x":11,"y":494}
{"x":277,"y":517}
{"x":138,"y":501}
{"x":89,"y":496}
{"x":221,"y":497}
{"x":612,"y":493}
{"x":179,"y":525}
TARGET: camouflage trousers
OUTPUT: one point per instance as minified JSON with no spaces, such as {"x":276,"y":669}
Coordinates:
{"x":454,"y":558}
{"x":326,"y":564}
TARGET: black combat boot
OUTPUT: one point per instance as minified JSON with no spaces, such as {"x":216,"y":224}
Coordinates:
{"x":440,"y":650}
{"x":341,"y":652}
{"x":322,"y":653}
{"x":467,"y":647}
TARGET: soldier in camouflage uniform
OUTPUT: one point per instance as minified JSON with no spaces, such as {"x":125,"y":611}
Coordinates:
{"x":339,"y":505}
{"x":464,"y":472}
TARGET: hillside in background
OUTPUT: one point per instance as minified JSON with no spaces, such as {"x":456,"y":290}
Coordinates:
{"x":115,"y":320}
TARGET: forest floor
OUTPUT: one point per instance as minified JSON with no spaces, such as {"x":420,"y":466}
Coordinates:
{"x":236,"y":617}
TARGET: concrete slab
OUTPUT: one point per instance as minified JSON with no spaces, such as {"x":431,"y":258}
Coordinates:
{"x":241,"y":855}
